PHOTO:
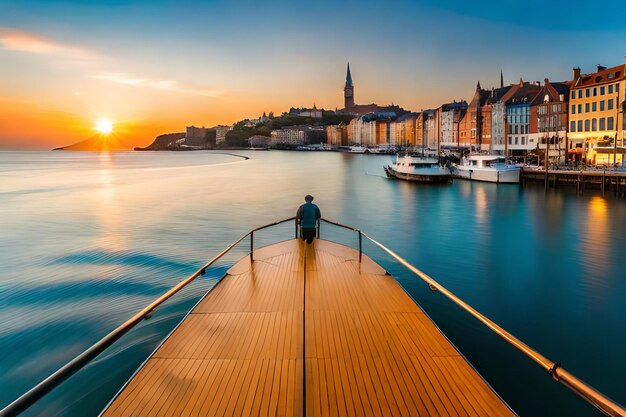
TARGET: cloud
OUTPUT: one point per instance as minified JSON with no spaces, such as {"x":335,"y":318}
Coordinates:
{"x":165,"y":85}
{"x":13,"y":40}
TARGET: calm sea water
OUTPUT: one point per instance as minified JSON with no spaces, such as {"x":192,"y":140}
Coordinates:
{"x":88,"y":239}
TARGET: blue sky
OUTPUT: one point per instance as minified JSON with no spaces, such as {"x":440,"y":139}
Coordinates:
{"x":250,"y":57}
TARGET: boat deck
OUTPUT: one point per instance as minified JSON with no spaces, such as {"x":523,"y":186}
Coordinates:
{"x":367,"y":348}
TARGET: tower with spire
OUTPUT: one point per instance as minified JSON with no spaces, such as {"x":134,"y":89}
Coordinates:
{"x":348,"y":90}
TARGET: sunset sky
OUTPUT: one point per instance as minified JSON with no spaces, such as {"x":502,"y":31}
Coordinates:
{"x":153,"y":67}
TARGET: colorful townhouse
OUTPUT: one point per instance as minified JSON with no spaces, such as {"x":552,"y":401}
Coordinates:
{"x":549,"y":121}
{"x":596,"y":118}
{"x":449,"y":118}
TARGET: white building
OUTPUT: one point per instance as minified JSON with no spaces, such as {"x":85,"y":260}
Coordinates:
{"x":287,"y":137}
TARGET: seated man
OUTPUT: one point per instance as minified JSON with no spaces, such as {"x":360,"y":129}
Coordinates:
{"x":307,"y":216}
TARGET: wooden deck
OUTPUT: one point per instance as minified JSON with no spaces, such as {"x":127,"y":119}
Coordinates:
{"x":368,"y":349}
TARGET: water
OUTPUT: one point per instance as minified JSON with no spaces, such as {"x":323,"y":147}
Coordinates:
{"x":89,"y":239}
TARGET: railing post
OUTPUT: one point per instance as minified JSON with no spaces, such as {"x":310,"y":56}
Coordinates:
{"x":319,"y":226}
{"x":251,"y":246}
{"x":295,"y":222}
{"x":360,"y":245}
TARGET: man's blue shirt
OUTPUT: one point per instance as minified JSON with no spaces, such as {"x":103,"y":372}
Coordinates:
{"x":309,"y":213}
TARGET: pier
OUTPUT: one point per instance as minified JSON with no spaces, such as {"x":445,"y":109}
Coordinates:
{"x":607,"y":181}
{"x":313,"y":330}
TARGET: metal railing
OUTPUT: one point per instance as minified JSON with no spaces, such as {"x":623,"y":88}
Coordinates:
{"x":597,"y":399}
{"x":38,"y":391}
{"x":594,"y":397}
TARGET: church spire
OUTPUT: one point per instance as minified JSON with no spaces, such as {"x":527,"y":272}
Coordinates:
{"x":348,"y":90}
{"x":348,"y":77}
{"x":478,"y":85}
{"x":501,"y":80}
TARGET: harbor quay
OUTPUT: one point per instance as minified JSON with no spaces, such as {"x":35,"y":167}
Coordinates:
{"x":578,"y":121}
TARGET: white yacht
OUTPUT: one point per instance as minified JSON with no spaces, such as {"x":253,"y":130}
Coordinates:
{"x":418,"y":168}
{"x":489,"y":168}
{"x":353,"y":149}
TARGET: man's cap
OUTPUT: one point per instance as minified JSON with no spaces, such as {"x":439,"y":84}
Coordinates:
{"x":308,"y":198}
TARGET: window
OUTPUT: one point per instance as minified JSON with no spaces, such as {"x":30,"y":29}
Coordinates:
{"x":586,"y":92}
{"x":516,"y":140}
{"x":586,"y":107}
{"x":610,"y":104}
{"x":611,"y":89}
{"x":580,"y":108}
{"x":510,"y":141}
{"x":610,"y":123}
{"x":523,"y":140}
{"x":601,"y":105}
{"x":580,"y":93}
{"x":579,"y":128}
{"x":587,"y":125}
{"x":594,"y":125}
{"x":573,"y":94}
{"x":602,"y":123}
{"x":602,"y":90}
{"x":595,"y":91}
{"x":594,"y":106}
{"x":572,"y":126}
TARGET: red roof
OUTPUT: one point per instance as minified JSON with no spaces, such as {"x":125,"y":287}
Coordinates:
{"x":608,"y":75}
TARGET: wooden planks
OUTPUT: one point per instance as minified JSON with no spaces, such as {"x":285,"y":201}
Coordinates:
{"x":365,"y":347}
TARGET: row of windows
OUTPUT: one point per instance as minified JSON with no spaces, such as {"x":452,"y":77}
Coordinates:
{"x":518,"y":119}
{"x":517,"y":110}
{"x":594,"y":91}
{"x":593,"y":106}
{"x":592,"y":125}
{"x":518,"y":129}
{"x":518,"y":140}
{"x":554,"y":108}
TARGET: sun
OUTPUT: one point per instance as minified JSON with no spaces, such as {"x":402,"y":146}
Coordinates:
{"x":104,"y":126}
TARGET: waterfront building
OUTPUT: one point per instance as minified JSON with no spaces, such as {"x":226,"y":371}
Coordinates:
{"x":419,"y":129}
{"x":450,"y":115}
{"x":430,"y":128}
{"x":596,"y":122}
{"x":471,"y":127}
{"x":518,"y":100}
{"x":393,"y":136}
{"x":382,"y":131}
{"x":220,"y":133}
{"x":195,"y":134}
{"x":549,"y":109}
{"x":288,"y":136}
{"x":350,"y":132}
{"x":371,"y":129}
{"x":406,"y":129}
{"x":335,"y":135}
{"x":495,"y":105}
{"x":259,"y":141}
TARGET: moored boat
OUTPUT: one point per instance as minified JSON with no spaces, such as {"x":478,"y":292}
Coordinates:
{"x":418,"y":168}
{"x":488,"y":168}
{"x":353,"y":149}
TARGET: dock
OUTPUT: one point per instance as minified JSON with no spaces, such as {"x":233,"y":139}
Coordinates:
{"x":307,"y":330}
{"x":607,"y":181}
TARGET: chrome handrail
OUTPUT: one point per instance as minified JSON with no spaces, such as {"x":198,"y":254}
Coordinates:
{"x":558,"y":373}
{"x":38,"y":391}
